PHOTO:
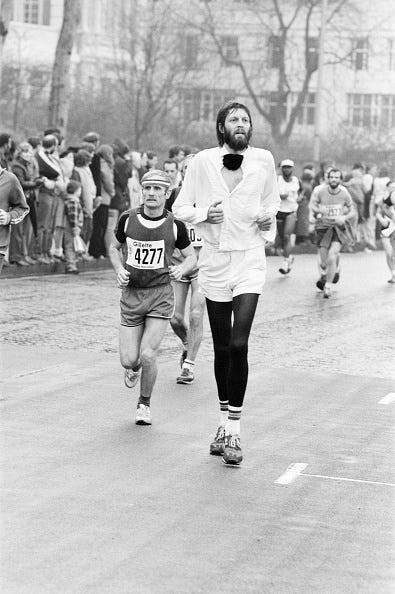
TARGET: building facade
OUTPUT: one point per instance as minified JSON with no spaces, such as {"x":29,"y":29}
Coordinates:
{"x":225,"y":49}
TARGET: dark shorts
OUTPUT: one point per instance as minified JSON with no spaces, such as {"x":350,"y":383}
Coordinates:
{"x":138,"y":304}
{"x":319,"y":236}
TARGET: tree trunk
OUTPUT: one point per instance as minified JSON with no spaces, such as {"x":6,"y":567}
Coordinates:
{"x":59,"y":99}
{"x":5,"y":17}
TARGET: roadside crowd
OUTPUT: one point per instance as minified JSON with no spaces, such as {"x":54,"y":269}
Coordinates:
{"x":75,"y":195}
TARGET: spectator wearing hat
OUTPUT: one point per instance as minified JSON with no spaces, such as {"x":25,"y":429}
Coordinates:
{"x":289,"y":188}
{"x":141,"y":251}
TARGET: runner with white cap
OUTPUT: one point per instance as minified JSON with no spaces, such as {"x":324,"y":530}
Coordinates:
{"x":289,"y":187}
{"x":141,"y":251}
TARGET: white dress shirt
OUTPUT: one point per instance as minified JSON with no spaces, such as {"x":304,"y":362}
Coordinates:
{"x":255,"y":194}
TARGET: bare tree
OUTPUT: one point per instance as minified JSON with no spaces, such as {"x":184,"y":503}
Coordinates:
{"x":59,"y":99}
{"x":281,"y":25}
{"x":148,"y":63}
{"x":5,"y":17}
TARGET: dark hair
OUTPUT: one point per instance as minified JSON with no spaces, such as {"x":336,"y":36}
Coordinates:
{"x":174,"y":150}
{"x":170,"y":161}
{"x":4,"y":139}
{"x":54,"y":132}
{"x":49,"y":141}
{"x":151,"y":155}
{"x":34,"y":141}
{"x":335,"y":170}
{"x":73,"y":186}
{"x":222,"y":114}
{"x":82,"y":158}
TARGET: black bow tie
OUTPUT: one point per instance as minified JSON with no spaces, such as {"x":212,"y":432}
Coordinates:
{"x":232,"y":161}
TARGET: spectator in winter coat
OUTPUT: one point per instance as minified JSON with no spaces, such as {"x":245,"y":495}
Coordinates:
{"x":98,"y":247}
{"x":22,"y":235}
{"x":13,"y":208}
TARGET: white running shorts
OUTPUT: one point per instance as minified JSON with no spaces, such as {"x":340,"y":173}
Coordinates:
{"x":224,"y":275}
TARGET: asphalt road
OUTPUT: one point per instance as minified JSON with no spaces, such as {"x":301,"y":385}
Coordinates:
{"x":93,"y":503}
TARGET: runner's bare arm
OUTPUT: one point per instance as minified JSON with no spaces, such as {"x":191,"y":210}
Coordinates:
{"x":186,"y":266}
{"x":116,"y":261}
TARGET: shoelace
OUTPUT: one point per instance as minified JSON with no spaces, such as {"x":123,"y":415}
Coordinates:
{"x":220,"y":434}
{"x":234,"y":441}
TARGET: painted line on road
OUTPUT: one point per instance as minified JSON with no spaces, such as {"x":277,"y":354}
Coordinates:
{"x":388,"y":399}
{"x":292,"y":473}
{"x":341,"y":478}
{"x":296,"y":470}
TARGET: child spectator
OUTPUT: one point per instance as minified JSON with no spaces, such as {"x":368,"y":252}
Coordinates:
{"x":74,"y":224}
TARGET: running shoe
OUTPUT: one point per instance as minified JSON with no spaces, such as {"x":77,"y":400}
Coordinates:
{"x":217,"y":446}
{"x":143,"y":415}
{"x":320,"y":284}
{"x":336,"y":277}
{"x":327,"y":292}
{"x":284,"y":268}
{"x":186,"y":376}
{"x":232,"y":450}
{"x":184,"y":355}
{"x":131,"y":377}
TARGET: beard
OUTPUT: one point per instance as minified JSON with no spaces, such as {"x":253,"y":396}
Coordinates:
{"x":237,"y":144}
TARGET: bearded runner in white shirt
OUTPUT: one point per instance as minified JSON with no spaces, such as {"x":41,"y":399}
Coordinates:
{"x":230,"y":194}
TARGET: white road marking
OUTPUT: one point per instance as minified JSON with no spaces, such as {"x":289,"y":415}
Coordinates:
{"x":388,"y":399}
{"x":292,"y":472}
{"x":340,"y":478}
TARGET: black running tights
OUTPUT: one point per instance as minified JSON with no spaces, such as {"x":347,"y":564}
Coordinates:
{"x":231,"y":344}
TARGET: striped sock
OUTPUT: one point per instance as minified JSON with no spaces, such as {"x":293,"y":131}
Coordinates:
{"x":233,"y":423}
{"x":223,"y":408}
{"x":188,"y":364}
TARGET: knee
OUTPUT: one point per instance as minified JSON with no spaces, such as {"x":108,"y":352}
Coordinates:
{"x":147,"y":357}
{"x":238,"y":348}
{"x":128,"y":360}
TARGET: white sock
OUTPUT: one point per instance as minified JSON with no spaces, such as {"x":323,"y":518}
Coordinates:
{"x":223,"y":412}
{"x":232,"y":427}
{"x":188,"y":364}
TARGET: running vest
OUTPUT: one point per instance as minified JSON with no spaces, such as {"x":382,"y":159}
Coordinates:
{"x":148,"y":251}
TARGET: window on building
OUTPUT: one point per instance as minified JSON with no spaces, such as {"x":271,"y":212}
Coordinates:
{"x":312,"y":53}
{"x":360,"y":53}
{"x":360,"y":109}
{"x":230,"y":46}
{"x":191,"y":49}
{"x":202,"y":104}
{"x":391,"y":65}
{"x":306,"y":115}
{"x":37,"y":12}
{"x":387,"y":112}
{"x":274,"y":51}
{"x":371,"y":111}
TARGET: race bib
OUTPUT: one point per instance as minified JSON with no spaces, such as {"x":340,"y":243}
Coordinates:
{"x":195,"y":240}
{"x":333,"y":210}
{"x":145,"y":255}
